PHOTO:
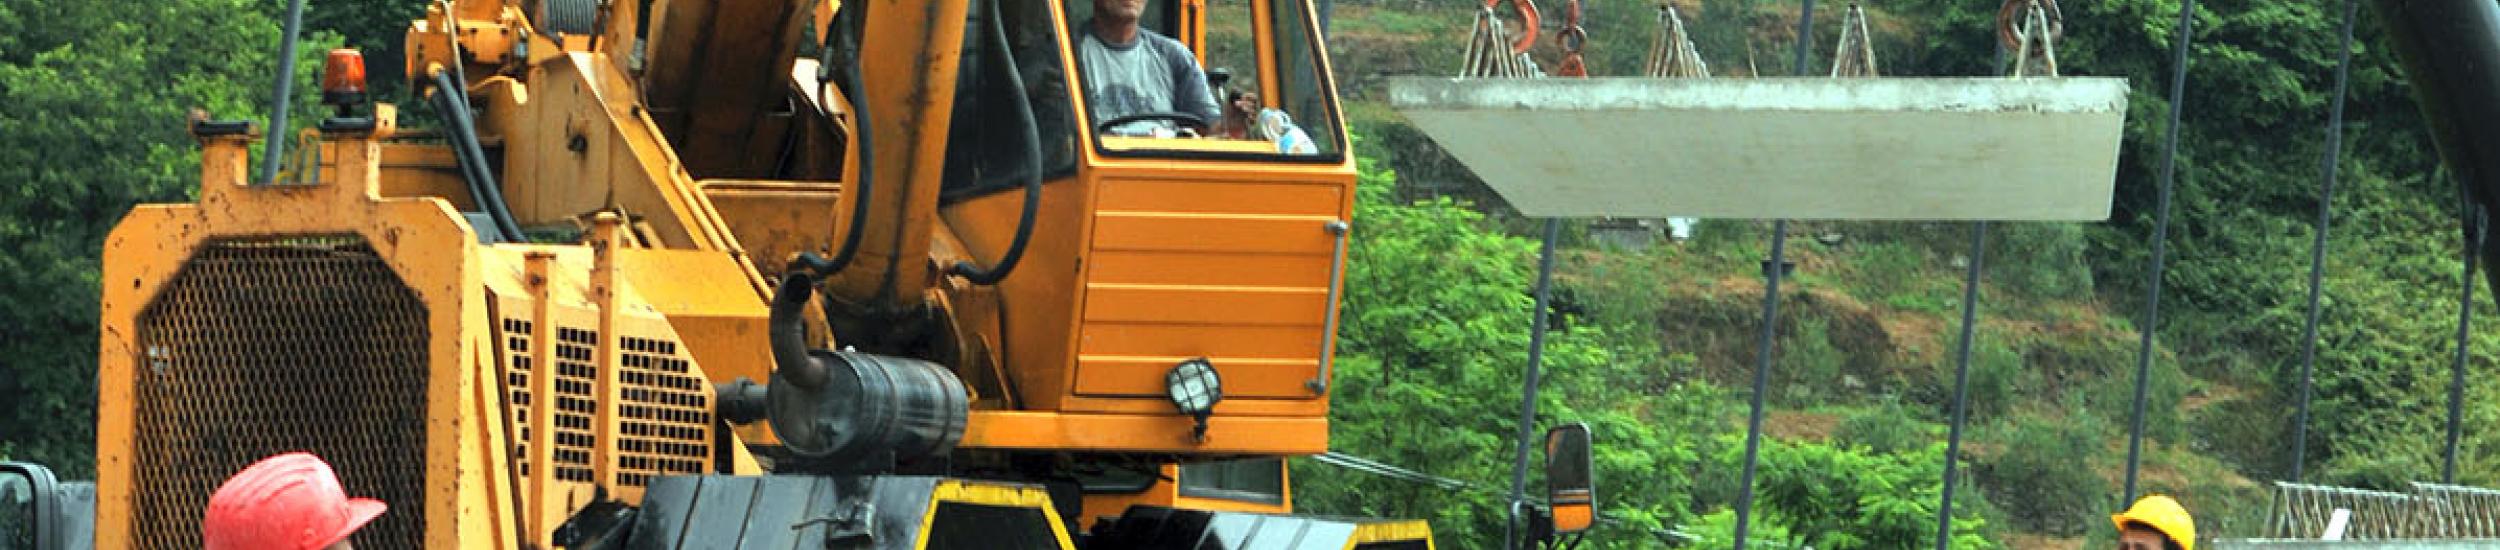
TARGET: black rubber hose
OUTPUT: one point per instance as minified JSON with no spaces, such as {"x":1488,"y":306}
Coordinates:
{"x":864,"y":134}
{"x":789,"y":332}
{"x":445,"y":103}
{"x":1005,"y":62}
{"x":453,"y":99}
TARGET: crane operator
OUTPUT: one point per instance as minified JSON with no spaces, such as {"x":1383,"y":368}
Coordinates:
{"x":1131,"y":70}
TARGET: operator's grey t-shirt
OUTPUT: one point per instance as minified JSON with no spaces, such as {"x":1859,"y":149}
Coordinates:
{"x":1153,"y":74}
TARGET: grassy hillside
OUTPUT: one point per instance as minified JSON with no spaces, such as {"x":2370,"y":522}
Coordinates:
{"x":1868,"y":328}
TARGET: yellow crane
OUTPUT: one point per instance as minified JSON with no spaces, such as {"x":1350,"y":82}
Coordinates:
{"x":752,"y":273}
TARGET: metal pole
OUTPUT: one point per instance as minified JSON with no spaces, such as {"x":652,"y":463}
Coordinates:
{"x":273,"y":146}
{"x":1961,"y":381}
{"x":2456,"y":368}
{"x":1527,"y":397}
{"x":1961,"y":367}
{"x":2161,"y":240}
{"x":2317,"y":247}
{"x":1770,"y":316}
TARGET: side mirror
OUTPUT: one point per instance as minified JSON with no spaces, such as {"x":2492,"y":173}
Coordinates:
{"x":1570,"y":478}
{"x":29,"y":507}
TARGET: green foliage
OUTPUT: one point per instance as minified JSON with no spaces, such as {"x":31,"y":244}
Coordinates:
{"x":1809,"y":361}
{"x":2044,"y":260}
{"x":2046,"y":469}
{"x":1429,"y":369}
{"x":379,"y":28}
{"x":1903,"y":277}
{"x":2226,"y":372}
{"x":92,"y":112}
{"x":1845,"y":498}
{"x":1996,"y":373}
{"x":1885,"y":429}
{"x":1765,"y":529}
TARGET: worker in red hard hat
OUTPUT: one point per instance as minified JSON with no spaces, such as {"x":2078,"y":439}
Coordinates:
{"x":286,"y":502}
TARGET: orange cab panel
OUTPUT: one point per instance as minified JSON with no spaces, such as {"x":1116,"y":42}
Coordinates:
{"x":1237,"y":272}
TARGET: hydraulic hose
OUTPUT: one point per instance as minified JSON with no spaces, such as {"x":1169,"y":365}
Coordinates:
{"x":788,"y":331}
{"x":452,"y":98}
{"x":1004,"y":61}
{"x":864,"y":134}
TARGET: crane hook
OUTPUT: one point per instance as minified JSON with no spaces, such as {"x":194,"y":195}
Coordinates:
{"x":1528,"y":22}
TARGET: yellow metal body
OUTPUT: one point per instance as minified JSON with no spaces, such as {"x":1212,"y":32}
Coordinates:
{"x":991,"y":494}
{"x":547,"y":374}
{"x":1391,"y":532}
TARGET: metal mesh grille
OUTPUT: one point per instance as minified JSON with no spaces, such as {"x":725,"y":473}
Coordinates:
{"x":517,"y":368}
{"x":262,"y":347}
{"x":575,"y":376}
{"x":666,"y":414}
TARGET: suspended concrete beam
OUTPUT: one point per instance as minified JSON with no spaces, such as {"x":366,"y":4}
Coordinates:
{"x":2033,"y":149}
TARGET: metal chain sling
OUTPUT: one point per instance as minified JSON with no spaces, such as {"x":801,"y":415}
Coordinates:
{"x":1856,"y":55}
{"x":1671,"y":52}
{"x":1492,"y":53}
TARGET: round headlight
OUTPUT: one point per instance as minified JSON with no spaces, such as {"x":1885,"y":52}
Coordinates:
{"x":1194,"y":386}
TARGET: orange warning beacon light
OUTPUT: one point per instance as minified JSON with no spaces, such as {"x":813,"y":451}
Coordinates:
{"x":343,"y":78}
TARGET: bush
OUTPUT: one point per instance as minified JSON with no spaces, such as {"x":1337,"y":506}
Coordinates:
{"x":2112,"y":398}
{"x":1849,"y":498}
{"x":2043,"y":260}
{"x":1809,"y":363}
{"x":1996,"y":372}
{"x":1887,"y":429}
{"x":2048,"y":465}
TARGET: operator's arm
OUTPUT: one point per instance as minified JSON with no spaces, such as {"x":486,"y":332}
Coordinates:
{"x":1189,"y":84}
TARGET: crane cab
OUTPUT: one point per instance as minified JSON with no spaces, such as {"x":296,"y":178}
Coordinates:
{"x":1153,"y":248}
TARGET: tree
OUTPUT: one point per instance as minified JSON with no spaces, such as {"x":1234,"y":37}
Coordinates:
{"x":93,"y":99}
{"x":1430,"y":358}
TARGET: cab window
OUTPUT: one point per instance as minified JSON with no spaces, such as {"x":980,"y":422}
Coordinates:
{"x":1306,"y":94}
{"x":986,"y":154}
{"x":1272,"y":97}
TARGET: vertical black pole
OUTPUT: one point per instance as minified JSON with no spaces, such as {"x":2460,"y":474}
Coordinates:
{"x":1961,"y":381}
{"x":2456,"y":368}
{"x":2317,"y":247}
{"x":1527,"y":395}
{"x":1761,"y":376}
{"x":1771,"y":273}
{"x":274,"y":145}
{"x":2185,"y":31}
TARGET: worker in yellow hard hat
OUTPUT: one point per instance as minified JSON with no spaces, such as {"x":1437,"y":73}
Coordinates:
{"x":2155,"y":523}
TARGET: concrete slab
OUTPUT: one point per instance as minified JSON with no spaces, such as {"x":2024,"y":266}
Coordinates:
{"x":1796,"y":148}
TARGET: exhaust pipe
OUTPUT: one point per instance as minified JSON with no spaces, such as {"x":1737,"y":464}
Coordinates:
{"x":789,"y":332}
{"x":850,"y":412}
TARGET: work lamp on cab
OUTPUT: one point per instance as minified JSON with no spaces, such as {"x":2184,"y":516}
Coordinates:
{"x":1195,"y":388}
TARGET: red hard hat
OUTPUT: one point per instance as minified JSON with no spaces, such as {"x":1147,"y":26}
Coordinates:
{"x":286,"y":502}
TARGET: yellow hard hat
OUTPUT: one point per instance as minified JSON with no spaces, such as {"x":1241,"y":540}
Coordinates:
{"x":2164,"y":515}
